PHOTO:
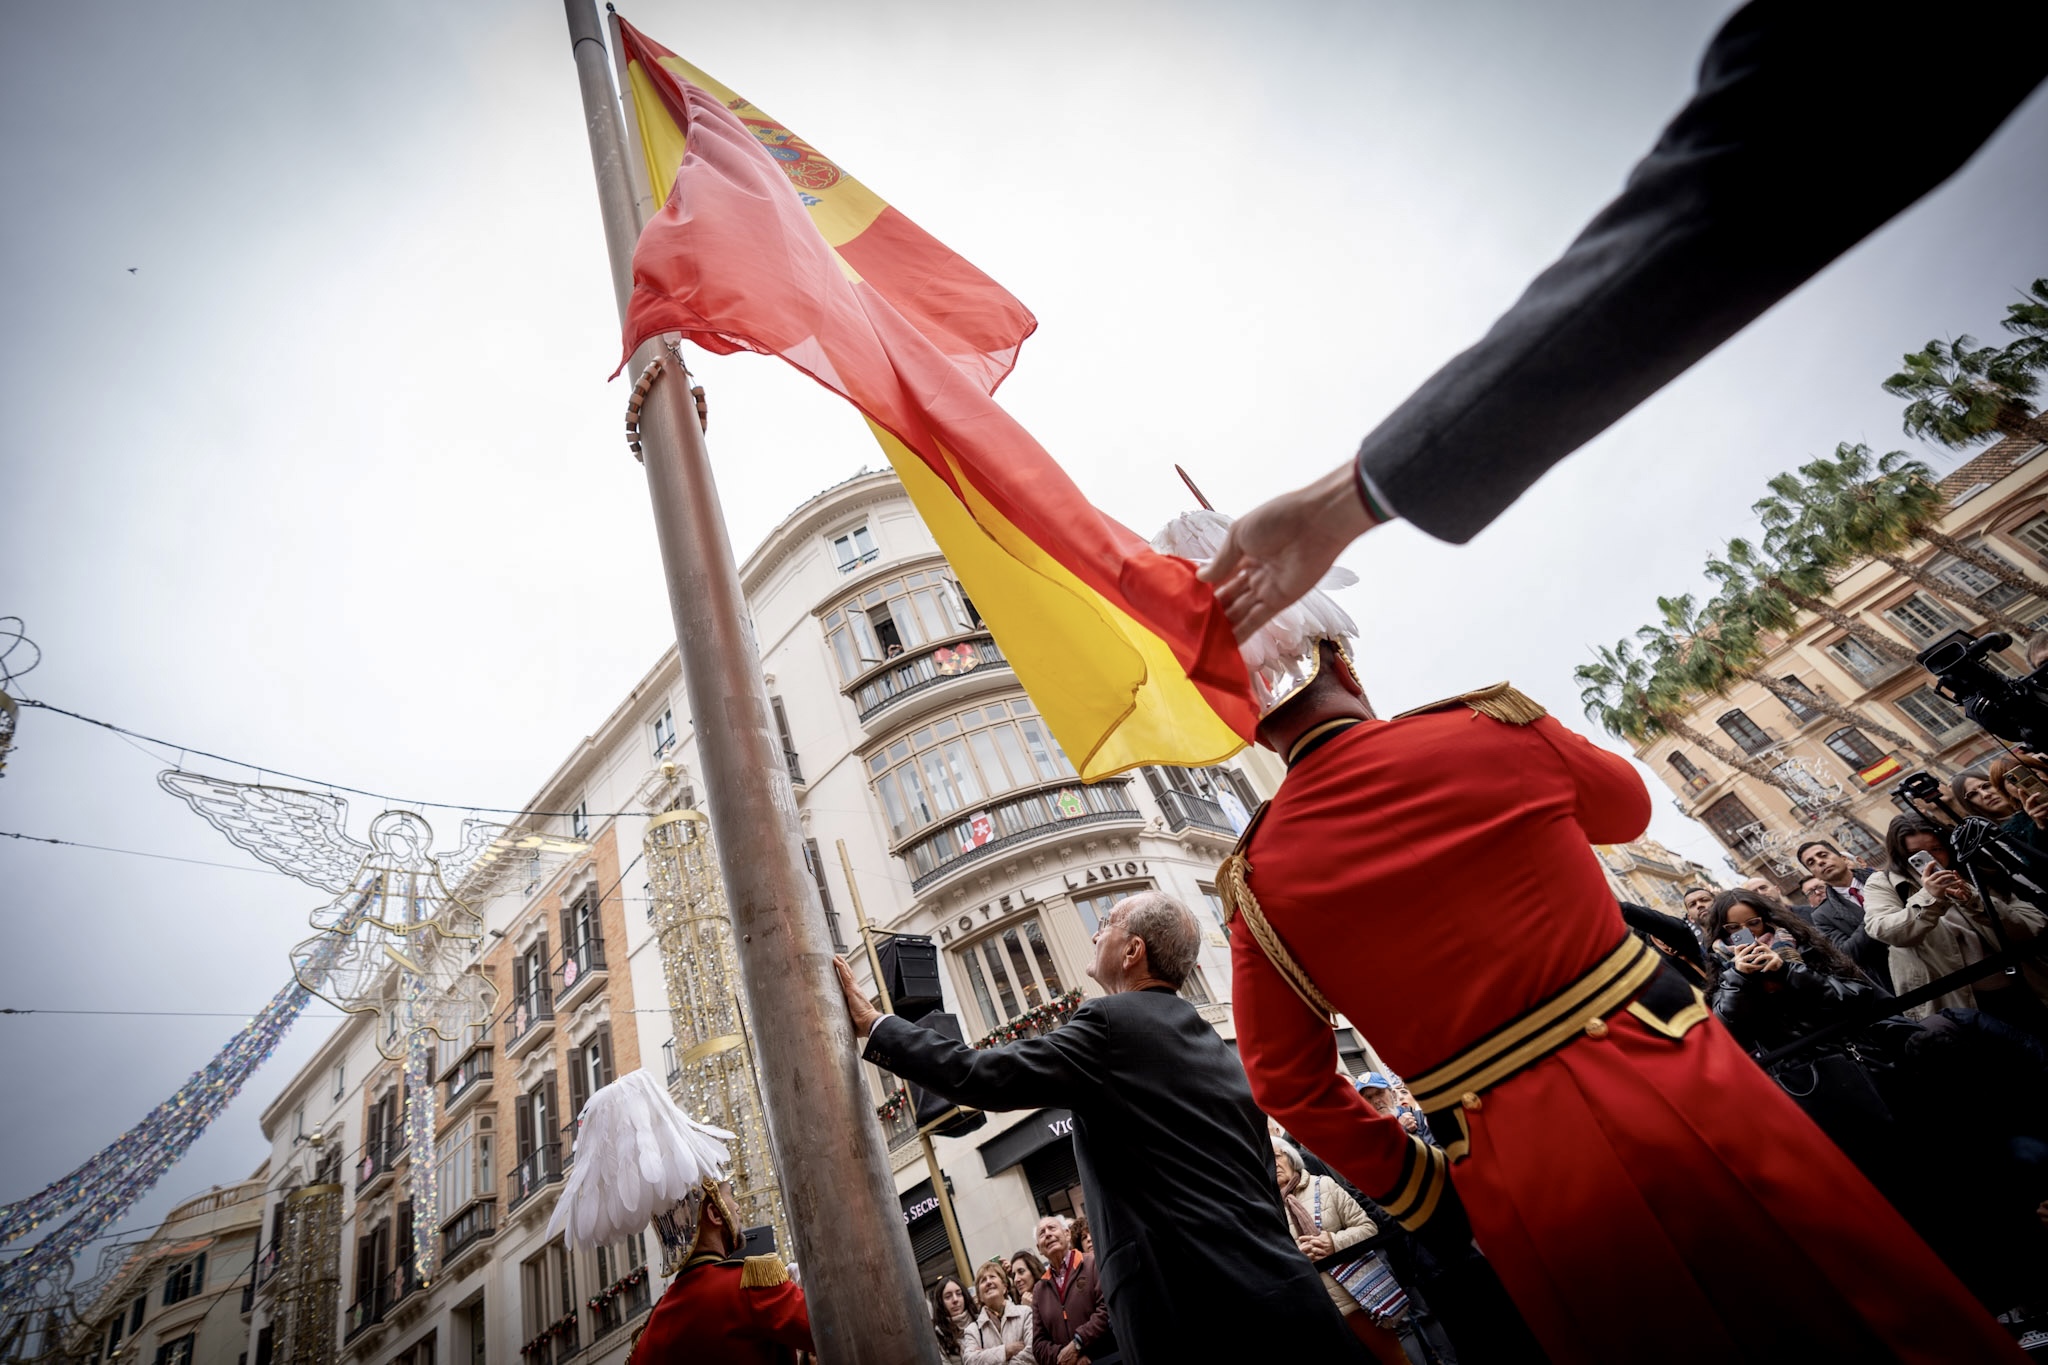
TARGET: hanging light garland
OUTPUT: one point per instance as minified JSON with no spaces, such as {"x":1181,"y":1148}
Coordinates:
{"x":1031,"y":1023}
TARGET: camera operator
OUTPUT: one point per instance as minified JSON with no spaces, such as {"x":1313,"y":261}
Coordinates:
{"x":1937,"y":923}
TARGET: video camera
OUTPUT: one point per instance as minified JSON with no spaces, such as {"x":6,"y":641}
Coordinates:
{"x":2014,"y":709}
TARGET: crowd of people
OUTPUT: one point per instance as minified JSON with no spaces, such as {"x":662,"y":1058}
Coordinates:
{"x":1863,"y":991}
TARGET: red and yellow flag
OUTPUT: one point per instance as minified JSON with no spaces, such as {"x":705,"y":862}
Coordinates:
{"x":764,"y":245}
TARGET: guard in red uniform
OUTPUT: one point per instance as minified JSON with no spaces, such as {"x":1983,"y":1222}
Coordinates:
{"x":639,"y":1159}
{"x":1641,"y":1187}
{"x":727,"y":1310}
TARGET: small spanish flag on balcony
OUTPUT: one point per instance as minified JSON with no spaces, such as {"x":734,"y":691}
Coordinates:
{"x":764,"y":245}
{"x":1880,"y":770}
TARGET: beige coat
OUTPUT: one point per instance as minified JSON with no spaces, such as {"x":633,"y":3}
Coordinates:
{"x":987,"y":1343}
{"x":1343,"y":1219}
{"x":1930,"y":937}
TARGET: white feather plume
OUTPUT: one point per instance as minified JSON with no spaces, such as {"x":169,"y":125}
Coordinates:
{"x":636,"y":1154}
{"x":1199,"y":535}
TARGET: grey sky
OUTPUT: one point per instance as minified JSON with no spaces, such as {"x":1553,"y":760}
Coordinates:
{"x":335,"y":480}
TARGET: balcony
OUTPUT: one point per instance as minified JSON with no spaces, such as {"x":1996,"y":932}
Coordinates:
{"x":950,"y":847}
{"x":268,"y":1260}
{"x":556,"y":1344}
{"x":536,"y":1173}
{"x":671,"y":1064}
{"x":468,"y":1079}
{"x":582,"y":971}
{"x":908,"y":674}
{"x":476,"y":1224}
{"x":533,"y":1019}
{"x":1184,"y":811}
{"x":379,"y":1161}
{"x":899,"y":1119}
{"x":619,"y":1303}
{"x":368,"y":1310}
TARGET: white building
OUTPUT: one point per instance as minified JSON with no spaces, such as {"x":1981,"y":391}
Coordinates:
{"x":909,"y":739}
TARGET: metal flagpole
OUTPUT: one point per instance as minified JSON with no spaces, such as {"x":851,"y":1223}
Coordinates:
{"x":858,"y":1275}
{"x":924,"y":1137}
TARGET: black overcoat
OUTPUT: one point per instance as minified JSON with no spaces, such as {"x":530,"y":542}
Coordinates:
{"x":1190,"y":1238}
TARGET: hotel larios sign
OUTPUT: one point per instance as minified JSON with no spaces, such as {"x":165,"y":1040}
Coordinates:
{"x":1072,"y":883}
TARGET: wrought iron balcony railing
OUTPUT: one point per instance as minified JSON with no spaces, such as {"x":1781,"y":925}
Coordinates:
{"x":1183,"y":809}
{"x":529,"y":1014}
{"x":474,"y":1224}
{"x":535,"y":1174}
{"x":1019,"y":819}
{"x":908,"y":673}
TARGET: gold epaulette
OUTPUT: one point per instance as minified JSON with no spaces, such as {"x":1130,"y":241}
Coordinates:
{"x":763,"y":1272}
{"x":1499,"y":702}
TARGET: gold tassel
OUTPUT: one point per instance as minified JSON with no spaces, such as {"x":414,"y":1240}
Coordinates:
{"x":763,"y":1272}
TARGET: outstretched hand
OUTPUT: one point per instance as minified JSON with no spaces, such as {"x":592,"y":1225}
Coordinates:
{"x":858,"y":1006}
{"x":1280,"y":549}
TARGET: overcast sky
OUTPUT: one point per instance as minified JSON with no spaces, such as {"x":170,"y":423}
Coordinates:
{"x":333,"y":479}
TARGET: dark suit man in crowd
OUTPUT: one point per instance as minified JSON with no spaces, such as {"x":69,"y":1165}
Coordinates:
{"x":1765,"y":176}
{"x":1190,"y":1236}
{"x":1840,"y":916}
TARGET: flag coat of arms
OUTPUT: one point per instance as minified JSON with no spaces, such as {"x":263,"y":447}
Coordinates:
{"x":763,"y":244}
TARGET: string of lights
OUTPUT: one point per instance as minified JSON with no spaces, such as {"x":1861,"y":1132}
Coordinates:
{"x":138,"y":853}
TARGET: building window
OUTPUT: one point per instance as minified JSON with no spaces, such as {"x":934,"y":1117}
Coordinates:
{"x":1214,"y":798}
{"x":796,"y":772}
{"x":1859,"y":658}
{"x":1855,"y":748}
{"x":547,"y":1295}
{"x":464,"y":1165}
{"x":1688,"y":772}
{"x":1931,"y":711}
{"x":531,"y":993}
{"x":177,"y":1352}
{"x":1856,"y":841}
{"x":1729,"y":818}
{"x":615,"y":1264}
{"x":582,"y":938}
{"x":1011,"y":970}
{"x":1195,"y":990}
{"x":854,"y":549}
{"x":340,"y":1079}
{"x":1095,"y":909}
{"x":664,"y":731}
{"x":579,"y":819}
{"x":816,"y":862}
{"x":1983,"y":585}
{"x":944,"y":768}
{"x":184,"y":1279}
{"x":1745,"y":732}
{"x":1804,"y":787}
{"x":590,"y":1070}
{"x":1800,"y":702}
{"x":1921,"y":617}
{"x":894,"y":617}
{"x":1215,"y":903}
{"x":2034,"y":535}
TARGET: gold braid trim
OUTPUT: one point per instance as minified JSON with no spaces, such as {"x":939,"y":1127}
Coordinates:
{"x":763,"y":1272}
{"x":1499,"y":702}
{"x":1238,"y":900}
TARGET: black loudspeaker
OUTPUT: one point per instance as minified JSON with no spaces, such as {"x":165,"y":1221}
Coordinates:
{"x":759,"y":1241}
{"x":931,"y":1107}
{"x":910,"y":967}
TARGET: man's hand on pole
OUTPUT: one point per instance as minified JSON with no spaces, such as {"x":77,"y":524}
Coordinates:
{"x":858,"y":1006}
{"x":1280,"y":549}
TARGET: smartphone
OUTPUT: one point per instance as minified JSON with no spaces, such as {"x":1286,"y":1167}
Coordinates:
{"x":1741,"y":938}
{"x":1920,"y":862}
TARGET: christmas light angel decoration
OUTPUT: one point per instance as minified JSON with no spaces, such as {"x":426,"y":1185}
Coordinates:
{"x":400,"y":938}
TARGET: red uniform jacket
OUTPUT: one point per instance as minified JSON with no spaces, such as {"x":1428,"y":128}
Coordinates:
{"x":1642,"y":1197}
{"x":708,"y":1317}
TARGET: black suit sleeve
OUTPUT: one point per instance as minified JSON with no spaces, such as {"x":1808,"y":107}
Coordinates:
{"x":1055,"y":1070}
{"x":1793,"y":148}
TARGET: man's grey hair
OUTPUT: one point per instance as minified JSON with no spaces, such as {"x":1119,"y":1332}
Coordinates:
{"x":1065,"y":1222}
{"x":1172,"y":937}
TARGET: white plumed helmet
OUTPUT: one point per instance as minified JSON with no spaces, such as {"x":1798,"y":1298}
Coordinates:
{"x":1282,"y":656}
{"x":636,"y":1155}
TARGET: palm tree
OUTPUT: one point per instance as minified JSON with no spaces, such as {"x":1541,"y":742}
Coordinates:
{"x":2028,"y":319}
{"x":1631,"y":698}
{"x":1960,"y":394}
{"x":1864,"y":512}
{"x":1794,"y":568}
{"x":1728,"y":647}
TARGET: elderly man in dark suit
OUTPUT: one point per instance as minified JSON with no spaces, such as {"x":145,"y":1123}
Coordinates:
{"x":1194,"y":1253}
{"x":1840,"y":916}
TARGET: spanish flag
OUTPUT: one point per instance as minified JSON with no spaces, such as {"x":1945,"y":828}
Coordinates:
{"x":764,"y":245}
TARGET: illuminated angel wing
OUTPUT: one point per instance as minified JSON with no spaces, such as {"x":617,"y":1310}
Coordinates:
{"x":301,"y":833}
{"x":495,"y":860}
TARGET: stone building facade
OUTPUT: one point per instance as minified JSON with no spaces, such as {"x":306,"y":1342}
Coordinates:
{"x":1844,"y":779}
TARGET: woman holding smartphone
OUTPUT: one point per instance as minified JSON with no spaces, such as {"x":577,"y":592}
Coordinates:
{"x":1936,"y":923}
{"x":1777,"y":979}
